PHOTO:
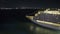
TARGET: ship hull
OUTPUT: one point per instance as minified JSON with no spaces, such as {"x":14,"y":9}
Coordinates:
{"x":47,"y":25}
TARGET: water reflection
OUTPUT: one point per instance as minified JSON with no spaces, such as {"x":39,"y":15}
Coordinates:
{"x":16,"y":26}
{"x":39,"y":30}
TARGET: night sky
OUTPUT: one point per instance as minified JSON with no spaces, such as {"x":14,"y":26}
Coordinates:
{"x":29,"y":3}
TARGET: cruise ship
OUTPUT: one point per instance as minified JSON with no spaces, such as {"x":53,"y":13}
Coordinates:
{"x":47,"y":18}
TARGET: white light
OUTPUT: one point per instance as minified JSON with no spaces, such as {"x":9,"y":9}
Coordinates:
{"x":45,"y":22}
{"x":52,"y":12}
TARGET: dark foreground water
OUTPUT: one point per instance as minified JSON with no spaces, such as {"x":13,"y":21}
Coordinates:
{"x":21,"y":25}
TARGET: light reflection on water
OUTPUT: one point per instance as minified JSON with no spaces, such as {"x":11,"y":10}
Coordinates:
{"x":18,"y":27}
{"x":39,"y":30}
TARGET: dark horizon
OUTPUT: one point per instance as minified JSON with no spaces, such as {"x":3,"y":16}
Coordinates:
{"x":29,"y":3}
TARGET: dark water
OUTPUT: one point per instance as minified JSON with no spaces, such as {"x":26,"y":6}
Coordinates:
{"x":18,"y":24}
